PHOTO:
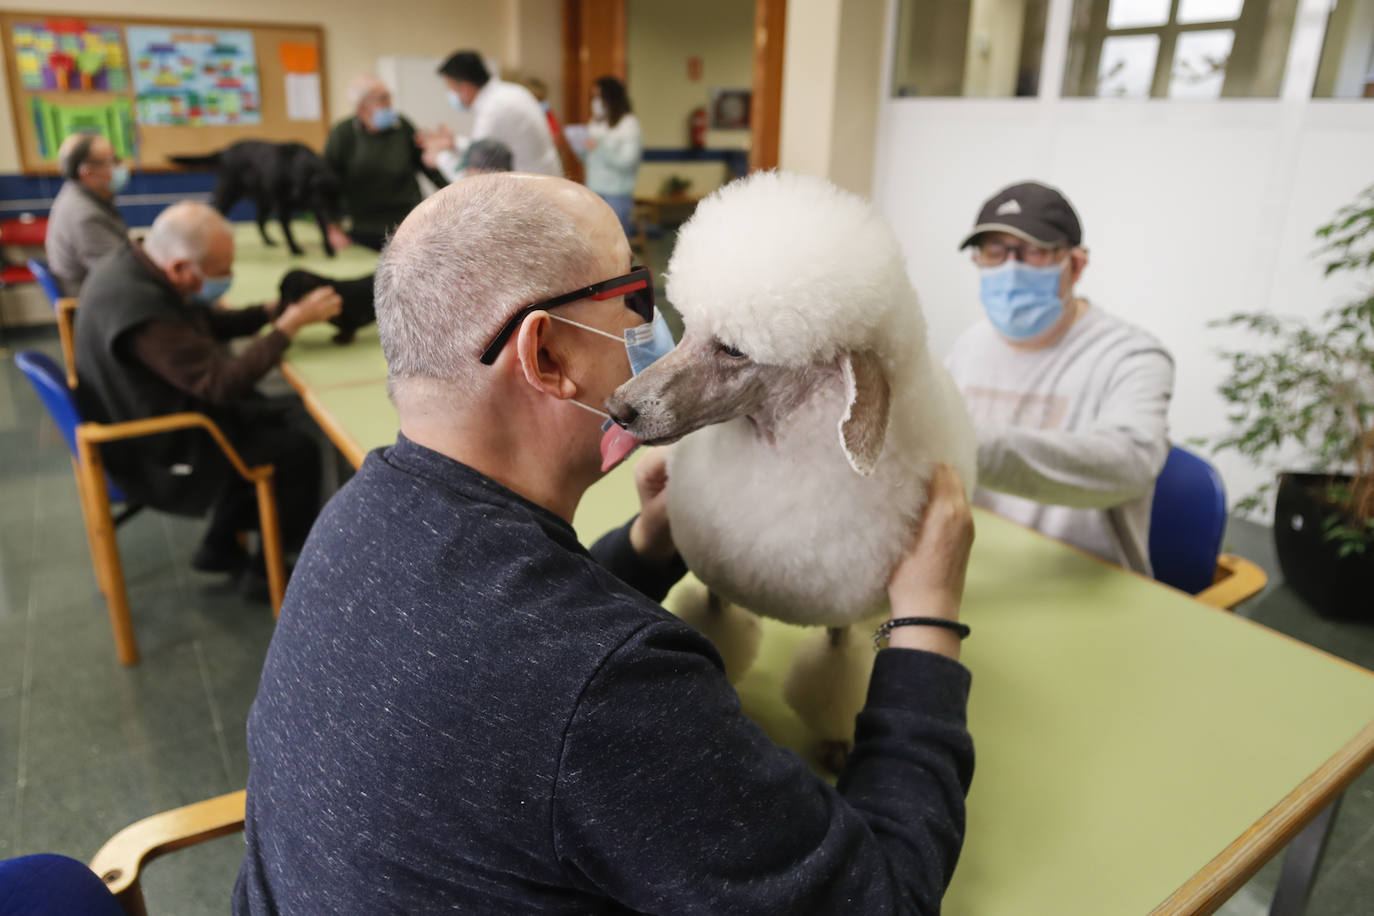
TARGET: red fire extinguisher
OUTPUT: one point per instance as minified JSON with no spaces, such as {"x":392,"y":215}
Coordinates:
{"x":697,"y":123}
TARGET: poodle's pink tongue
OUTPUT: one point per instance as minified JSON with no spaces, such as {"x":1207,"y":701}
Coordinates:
{"x":616,"y":445}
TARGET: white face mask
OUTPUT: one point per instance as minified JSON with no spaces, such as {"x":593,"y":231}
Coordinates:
{"x":598,"y":109}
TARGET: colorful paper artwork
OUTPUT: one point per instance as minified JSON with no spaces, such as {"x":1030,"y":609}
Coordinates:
{"x":53,"y":122}
{"x":194,"y":77}
{"x":68,"y":55}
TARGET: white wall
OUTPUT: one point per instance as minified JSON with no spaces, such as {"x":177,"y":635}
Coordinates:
{"x":1190,"y":210}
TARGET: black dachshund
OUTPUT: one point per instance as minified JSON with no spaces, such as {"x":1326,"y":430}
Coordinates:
{"x":356,"y":294}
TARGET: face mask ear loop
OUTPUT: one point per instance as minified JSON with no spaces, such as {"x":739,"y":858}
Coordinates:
{"x":587,"y":327}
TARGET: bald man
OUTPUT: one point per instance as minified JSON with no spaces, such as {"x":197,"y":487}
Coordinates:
{"x":463,"y":709}
{"x":148,"y":344}
{"x":83,"y":225}
{"x":375,"y":155}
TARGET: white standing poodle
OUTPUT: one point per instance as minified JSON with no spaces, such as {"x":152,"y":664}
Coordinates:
{"x":815,"y":415}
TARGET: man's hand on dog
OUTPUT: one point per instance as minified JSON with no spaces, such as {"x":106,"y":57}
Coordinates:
{"x":317,"y":305}
{"x":929,"y":581}
{"x":650,"y":535}
{"x":337,"y":237}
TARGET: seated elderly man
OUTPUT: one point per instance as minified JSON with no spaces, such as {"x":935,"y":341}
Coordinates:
{"x":464,"y":709}
{"x":148,"y":344}
{"x":83,"y":224}
{"x":1070,"y":401}
{"x":375,"y":155}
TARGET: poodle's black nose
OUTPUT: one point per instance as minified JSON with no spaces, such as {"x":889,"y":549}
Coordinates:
{"x":622,"y":412}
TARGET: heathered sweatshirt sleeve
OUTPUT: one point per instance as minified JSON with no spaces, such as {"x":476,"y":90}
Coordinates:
{"x":617,"y":555}
{"x":1114,"y":461}
{"x":669,"y":800}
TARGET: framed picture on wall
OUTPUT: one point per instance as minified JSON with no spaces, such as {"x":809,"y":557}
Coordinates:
{"x":730,"y":109}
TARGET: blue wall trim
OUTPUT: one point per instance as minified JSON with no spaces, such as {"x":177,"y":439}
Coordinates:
{"x":34,"y":193}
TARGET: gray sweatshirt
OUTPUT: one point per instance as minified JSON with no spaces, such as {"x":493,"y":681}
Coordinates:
{"x":82,"y":228}
{"x":1071,"y":438}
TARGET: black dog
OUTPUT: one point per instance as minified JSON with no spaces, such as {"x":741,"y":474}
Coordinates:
{"x":356,"y":294}
{"x":280,"y":178}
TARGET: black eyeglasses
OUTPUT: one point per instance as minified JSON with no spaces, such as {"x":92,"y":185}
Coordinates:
{"x":637,"y":287}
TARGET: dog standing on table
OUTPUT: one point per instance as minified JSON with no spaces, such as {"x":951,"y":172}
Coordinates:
{"x":813,"y":416}
{"x":280,"y":179}
{"x":357,"y":311}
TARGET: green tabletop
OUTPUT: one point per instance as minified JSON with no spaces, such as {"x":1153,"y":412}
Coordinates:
{"x":1126,"y":735}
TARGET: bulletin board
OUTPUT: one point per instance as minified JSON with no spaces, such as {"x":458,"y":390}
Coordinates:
{"x":160,"y":87}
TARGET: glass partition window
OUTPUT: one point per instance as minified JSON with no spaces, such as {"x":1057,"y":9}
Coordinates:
{"x":1179,"y":49}
{"x":987,"y":48}
{"x":1346,"y":70}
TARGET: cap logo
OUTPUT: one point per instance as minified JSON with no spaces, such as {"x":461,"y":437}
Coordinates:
{"x":1010,"y":207}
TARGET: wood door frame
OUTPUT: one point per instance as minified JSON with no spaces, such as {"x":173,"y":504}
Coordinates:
{"x":770,"y":37}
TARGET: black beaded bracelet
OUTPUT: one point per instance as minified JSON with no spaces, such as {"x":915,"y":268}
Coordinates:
{"x":888,"y":626}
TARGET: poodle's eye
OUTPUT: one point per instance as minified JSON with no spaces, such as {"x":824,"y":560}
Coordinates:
{"x":729,"y":351}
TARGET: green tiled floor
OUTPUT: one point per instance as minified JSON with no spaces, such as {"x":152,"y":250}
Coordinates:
{"x":86,"y":746}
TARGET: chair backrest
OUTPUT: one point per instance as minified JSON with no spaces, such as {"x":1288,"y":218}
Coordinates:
{"x":1187,"y":522}
{"x":46,"y":280}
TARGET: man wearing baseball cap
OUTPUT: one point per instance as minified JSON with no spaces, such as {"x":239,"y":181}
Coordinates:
{"x":1070,"y":401}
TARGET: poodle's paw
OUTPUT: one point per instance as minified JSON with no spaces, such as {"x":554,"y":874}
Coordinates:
{"x":734,"y":632}
{"x":828,"y":681}
{"x":833,"y":755}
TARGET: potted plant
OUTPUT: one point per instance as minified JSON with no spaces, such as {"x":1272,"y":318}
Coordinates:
{"x":1310,"y":399}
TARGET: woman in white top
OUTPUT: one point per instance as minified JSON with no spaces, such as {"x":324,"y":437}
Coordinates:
{"x":614,"y":148}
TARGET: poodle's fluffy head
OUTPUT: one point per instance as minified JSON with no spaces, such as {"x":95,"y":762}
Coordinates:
{"x":793,"y":271}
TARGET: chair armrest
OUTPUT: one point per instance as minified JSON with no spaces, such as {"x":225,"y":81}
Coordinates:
{"x":133,"y":429}
{"x":118,"y":862}
{"x":1237,"y":579}
{"x":66,"y":331}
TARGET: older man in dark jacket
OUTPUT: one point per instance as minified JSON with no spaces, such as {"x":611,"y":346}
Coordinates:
{"x":148,"y":343}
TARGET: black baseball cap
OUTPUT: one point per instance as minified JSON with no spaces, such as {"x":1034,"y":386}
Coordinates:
{"x":1034,"y":212}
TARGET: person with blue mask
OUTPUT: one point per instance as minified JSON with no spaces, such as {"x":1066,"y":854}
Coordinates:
{"x":509,"y":719}
{"x":1070,"y":401}
{"x":374,"y":154}
{"x":83,"y":224}
{"x":150,"y":341}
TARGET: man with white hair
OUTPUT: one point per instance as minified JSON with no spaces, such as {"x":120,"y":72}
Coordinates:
{"x":148,"y":343}
{"x":464,"y":709}
{"x":83,"y":224}
{"x":375,"y":156}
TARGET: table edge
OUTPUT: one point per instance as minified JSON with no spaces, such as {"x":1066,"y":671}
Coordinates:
{"x":352,"y":451}
{"x":1220,"y":878}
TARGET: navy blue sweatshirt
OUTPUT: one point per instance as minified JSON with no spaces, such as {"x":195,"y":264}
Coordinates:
{"x":463,"y":710}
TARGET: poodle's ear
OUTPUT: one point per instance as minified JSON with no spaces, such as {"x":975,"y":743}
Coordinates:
{"x":863,"y":428}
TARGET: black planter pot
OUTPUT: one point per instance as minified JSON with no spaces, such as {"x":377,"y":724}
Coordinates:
{"x":1340,"y":587}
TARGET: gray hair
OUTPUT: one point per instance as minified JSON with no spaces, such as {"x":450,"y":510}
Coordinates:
{"x":463,"y":262}
{"x":184,"y":230}
{"x":361,"y":86}
{"x":73,"y":152}
{"x":489,"y":155}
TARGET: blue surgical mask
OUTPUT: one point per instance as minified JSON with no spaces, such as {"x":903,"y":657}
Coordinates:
{"x":119,"y":177}
{"x":1021,"y":302}
{"x":456,"y":101}
{"x":645,"y":344}
{"x":384,"y":118}
{"x":213,"y":288}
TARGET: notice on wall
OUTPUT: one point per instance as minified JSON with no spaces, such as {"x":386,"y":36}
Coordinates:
{"x":194,"y":76}
{"x":303,"y":97}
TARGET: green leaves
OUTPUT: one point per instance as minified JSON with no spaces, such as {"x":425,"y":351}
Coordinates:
{"x":1309,"y":393}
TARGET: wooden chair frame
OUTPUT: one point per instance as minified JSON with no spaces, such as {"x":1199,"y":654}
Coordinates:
{"x":1237,"y":579}
{"x":122,"y":858}
{"x":100,"y":524}
{"x":66,"y":332}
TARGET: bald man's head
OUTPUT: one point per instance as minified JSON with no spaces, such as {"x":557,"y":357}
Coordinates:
{"x":469,"y":257}
{"x":190,"y":242}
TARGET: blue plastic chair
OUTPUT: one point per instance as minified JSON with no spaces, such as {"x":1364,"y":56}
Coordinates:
{"x":97,"y":491}
{"x":39,"y":268}
{"x":1187,"y":522}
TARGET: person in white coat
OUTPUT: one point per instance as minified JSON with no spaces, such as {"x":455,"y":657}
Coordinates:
{"x":501,"y":111}
{"x":614,"y":148}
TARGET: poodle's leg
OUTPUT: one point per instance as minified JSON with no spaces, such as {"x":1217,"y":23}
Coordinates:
{"x":734,"y":632}
{"x":826,"y":686}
